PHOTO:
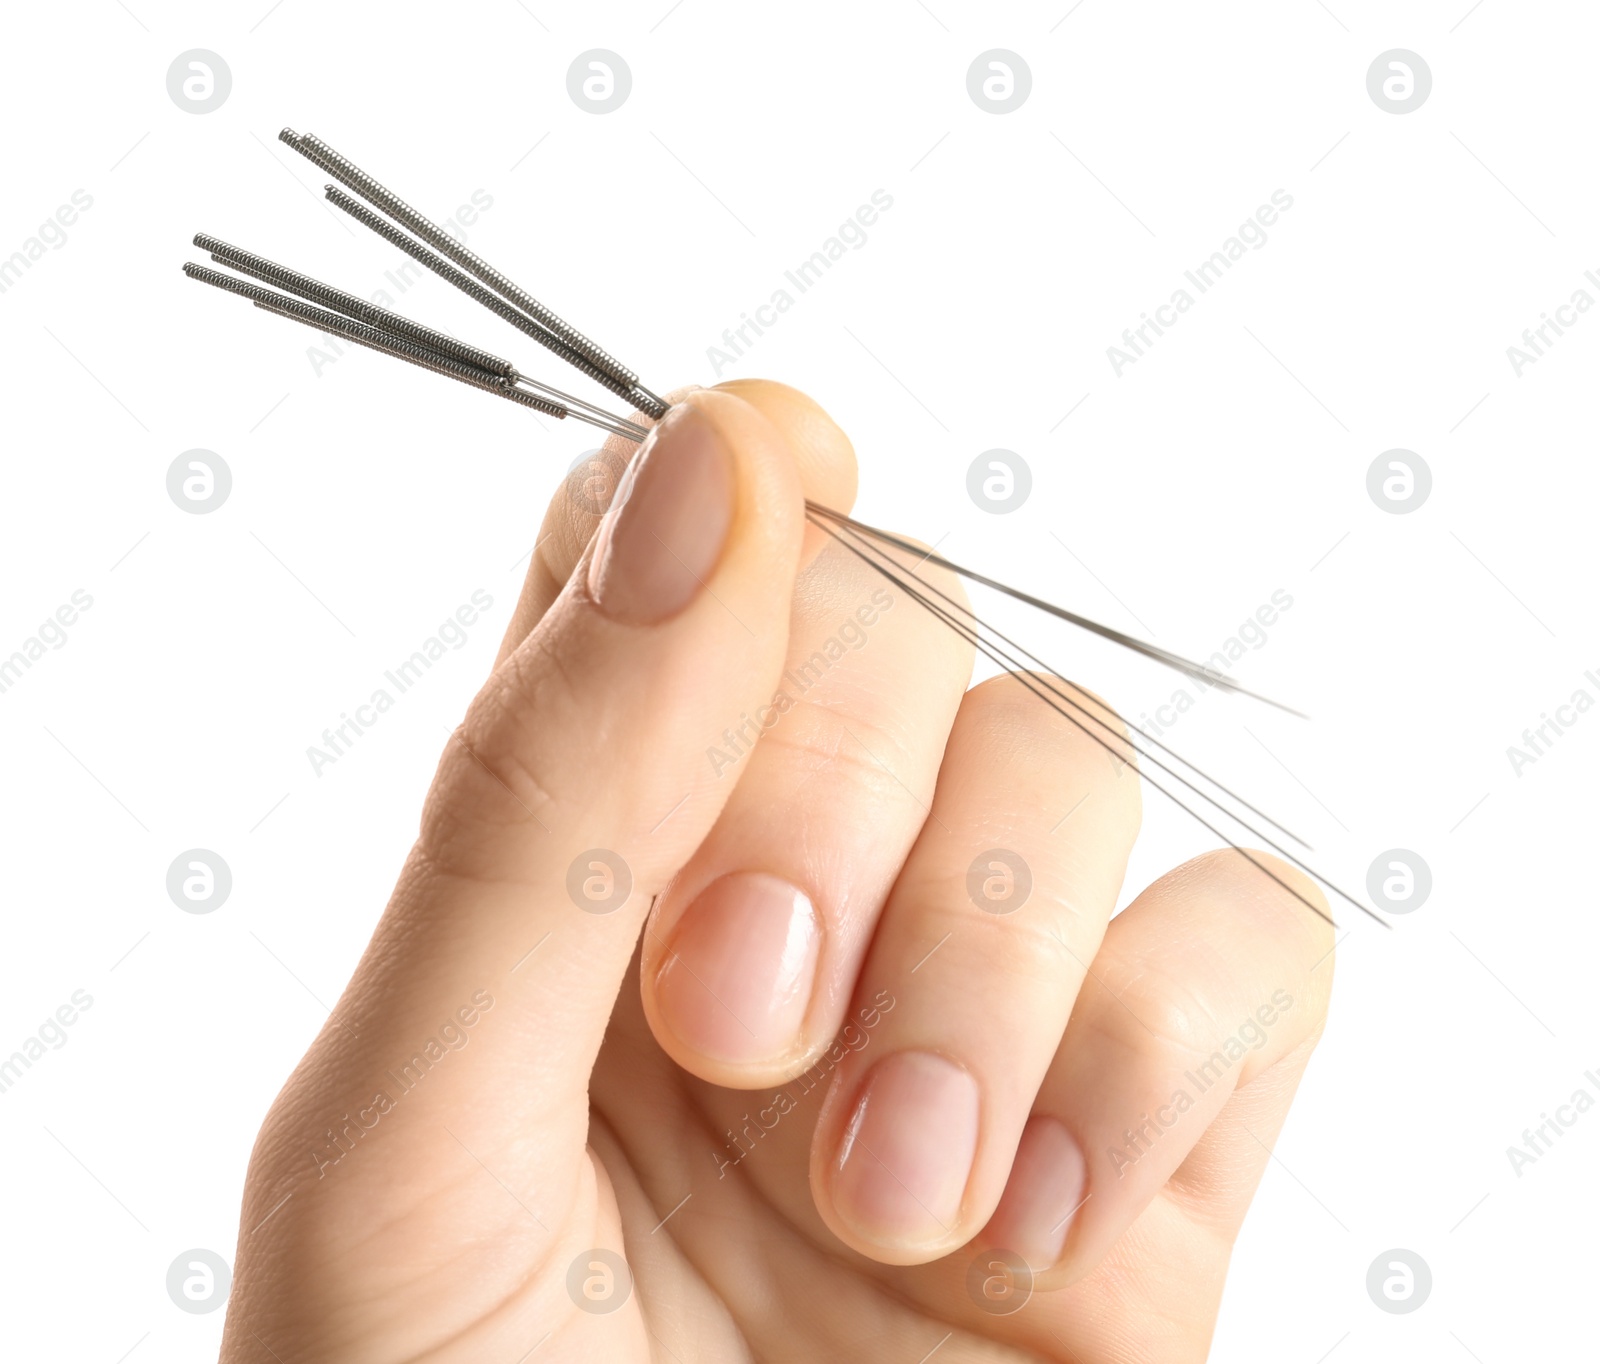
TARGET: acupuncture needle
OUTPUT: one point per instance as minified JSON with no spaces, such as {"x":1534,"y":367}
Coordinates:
{"x":1197,"y":671}
{"x":237,"y":258}
{"x":879,"y":560}
{"x":858,"y":531}
{"x":972,"y":637}
{"x":389,"y":333}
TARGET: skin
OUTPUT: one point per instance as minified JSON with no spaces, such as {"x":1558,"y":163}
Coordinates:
{"x":598,"y":1103}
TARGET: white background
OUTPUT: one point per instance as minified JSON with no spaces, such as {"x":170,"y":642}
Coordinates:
{"x":370,"y":500}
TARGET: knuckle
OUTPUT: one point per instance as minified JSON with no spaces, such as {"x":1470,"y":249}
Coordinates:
{"x":869,"y":761}
{"x":1038,"y":942}
{"x":1175,"y":1014}
{"x":491,"y":776}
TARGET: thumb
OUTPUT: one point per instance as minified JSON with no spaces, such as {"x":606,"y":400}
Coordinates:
{"x":581,"y":780}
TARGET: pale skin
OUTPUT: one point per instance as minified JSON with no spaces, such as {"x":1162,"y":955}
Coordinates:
{"x":802,"y":1076}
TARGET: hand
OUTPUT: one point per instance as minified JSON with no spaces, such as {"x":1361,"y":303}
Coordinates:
{"x":705,"y":960}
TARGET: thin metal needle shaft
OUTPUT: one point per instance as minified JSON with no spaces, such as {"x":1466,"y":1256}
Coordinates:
{"x":1198,"y":671}
{"x":977,"y":641}
{"x":977,"y":622}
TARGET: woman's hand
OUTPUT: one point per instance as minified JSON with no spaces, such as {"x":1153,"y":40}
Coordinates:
{"x":752,"y":990}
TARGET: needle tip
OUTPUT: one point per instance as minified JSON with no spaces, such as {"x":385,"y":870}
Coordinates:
{"x":1229,"y":685}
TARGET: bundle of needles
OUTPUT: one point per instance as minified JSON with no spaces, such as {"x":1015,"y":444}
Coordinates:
{"x":338,"y":313}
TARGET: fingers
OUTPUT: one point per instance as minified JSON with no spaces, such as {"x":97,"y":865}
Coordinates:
{"x":751,"y":957}
{"x":1213,"y":978}
{"x":975,"y":966}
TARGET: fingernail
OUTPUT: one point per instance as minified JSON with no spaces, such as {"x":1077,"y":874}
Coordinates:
{"x":907,"y":1150}
{"x":738,"y":979}
{"x":1043,"y":1195}
{"x":665,"y":530}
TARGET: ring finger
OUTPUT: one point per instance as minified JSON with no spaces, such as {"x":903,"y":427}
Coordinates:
{"x":974,"y":970}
